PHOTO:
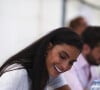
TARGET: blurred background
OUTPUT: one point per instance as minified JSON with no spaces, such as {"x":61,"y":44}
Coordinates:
{"x":24,"y":21}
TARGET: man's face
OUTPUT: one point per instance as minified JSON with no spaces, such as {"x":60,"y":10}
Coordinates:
{"x":83,"y":24}
{"x":94,"y":56}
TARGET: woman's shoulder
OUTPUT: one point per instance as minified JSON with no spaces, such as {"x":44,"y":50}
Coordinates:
{"x":15,"y":71}
{"x":14,"y":79}
{"x":14,"y":67}
{"x":56,"y":82}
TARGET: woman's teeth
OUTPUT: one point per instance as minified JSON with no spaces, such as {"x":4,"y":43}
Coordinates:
{"x":57,"y":69}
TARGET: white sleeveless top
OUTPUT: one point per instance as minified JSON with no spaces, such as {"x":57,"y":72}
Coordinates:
{"x":19,"y":80}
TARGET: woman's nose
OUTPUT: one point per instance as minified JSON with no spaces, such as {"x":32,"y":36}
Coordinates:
{"x":65,"y":66}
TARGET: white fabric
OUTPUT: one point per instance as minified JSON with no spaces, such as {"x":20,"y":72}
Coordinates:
{"x":77,"y":77}
{"x":18,"y":80}
{"x":57,"y":82}
{"x":14,"y":80}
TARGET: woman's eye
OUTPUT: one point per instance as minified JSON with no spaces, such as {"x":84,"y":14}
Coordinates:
{"x":62,"y":56}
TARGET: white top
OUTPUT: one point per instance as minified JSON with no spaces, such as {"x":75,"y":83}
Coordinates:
{"x":77,"y":77}
{"x":18,"y":80}
{"x":14,"y":80}
{"x":57,"y":82}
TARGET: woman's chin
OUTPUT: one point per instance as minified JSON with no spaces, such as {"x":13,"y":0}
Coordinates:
{"x":54,"y":75}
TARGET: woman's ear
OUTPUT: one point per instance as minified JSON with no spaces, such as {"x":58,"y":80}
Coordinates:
{"x":86,"y":49}
{"x":50,"y":46}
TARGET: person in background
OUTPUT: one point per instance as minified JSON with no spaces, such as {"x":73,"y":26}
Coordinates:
{"x":78,"y":24}
{"x":84,"y":71}
{"x":39,"y":66}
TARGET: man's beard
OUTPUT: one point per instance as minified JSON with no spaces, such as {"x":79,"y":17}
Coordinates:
{"x":91,"y":60}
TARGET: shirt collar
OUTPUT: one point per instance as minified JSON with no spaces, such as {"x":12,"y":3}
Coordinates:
{"x":81,"y":61}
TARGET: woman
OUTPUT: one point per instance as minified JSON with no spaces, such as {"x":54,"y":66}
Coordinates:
{"x":34,"y":67}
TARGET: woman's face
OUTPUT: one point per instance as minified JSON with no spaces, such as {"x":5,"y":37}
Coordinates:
{"x":60,"y":58}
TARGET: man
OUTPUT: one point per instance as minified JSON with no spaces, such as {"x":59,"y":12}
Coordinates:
{"x":78,"y":24}
{"x":83,"y":72}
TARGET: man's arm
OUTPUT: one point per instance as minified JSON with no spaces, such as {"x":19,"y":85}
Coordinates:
{"x":66,"y":87}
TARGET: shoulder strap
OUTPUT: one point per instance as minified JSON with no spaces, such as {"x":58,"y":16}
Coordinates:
{"x":12,"y":67}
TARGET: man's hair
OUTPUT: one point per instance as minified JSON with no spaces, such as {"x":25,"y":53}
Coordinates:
{"x":91,"y":36}
{"x":74,"y":23}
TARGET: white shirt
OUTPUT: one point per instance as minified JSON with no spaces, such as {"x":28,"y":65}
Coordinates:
{"x":78,"y":77}
{"x":18,"y":80}
{"x":14,"y":80}
{"x":57,"y":82}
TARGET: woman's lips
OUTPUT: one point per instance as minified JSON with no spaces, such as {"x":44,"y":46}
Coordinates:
{"x":57,"y":69}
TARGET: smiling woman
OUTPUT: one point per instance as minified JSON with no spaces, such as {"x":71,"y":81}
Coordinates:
{"x":40,"y":64}
{"x":60,"y":58}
